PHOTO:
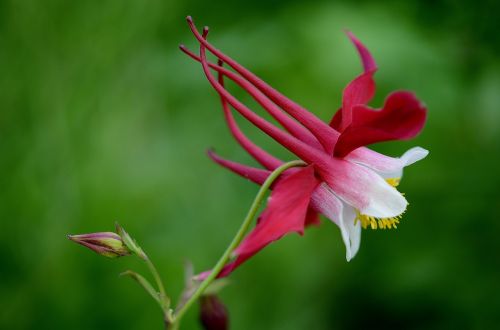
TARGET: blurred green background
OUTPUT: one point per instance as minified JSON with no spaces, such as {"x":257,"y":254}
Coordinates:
{"x":102,"y":118}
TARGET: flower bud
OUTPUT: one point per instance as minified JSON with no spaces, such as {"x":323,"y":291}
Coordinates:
{"x":213,"y":313}
{"x":107,"y":244}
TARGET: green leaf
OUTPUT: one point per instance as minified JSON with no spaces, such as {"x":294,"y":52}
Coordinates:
{"x":129,"y":242}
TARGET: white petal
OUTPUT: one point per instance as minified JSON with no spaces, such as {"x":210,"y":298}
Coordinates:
{"x":385,"y":200}
{"x":388,"y":167}
{"x":352,"y":228}
{"x":362,"y":188}
{"x":411,"y":156}
{"x":324,"y":201}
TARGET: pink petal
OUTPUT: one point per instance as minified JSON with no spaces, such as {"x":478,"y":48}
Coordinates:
{"x":362,"y":188}
{"x":402,"y":117}
{"x":286,"y":212}
{"x":388,"y":167}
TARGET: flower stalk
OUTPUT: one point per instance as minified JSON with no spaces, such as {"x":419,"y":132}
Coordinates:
{"x":235,"y":242}
{"x":126,"y":243}
{"x":159,"y":296}
{"x":114,"y":245}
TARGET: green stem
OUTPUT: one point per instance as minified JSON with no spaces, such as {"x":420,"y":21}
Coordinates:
{"x":156,"y":276}
{"x":160,"y":296}
{"x":164,"y":300}
{"x":236,"y":240}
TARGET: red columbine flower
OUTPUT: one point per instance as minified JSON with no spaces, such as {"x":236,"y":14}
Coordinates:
{"x":351,"y":185}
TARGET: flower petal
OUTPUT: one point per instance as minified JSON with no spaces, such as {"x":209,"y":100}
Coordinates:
{"x":324,"y":200}
{"x":353,"y":229}
{"x":312,"y":218}
{"x":366,"y":57}
{"x":358,"y":91}
{"x":388,"y":167}
{"x":362,"y":188}
{"x":258,"y":176}
{"x":402,"y":117}
{"x":286,"y":212}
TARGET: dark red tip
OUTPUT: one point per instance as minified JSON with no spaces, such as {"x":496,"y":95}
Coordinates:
{"x":189,"y":19}
{"x":210,"y":152}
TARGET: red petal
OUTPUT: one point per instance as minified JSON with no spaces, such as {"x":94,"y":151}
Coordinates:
{"x":336,"y":120}
{"x":402,"y":117}
{"x":286,"y":212}
{"x":366,"y":57}
{"x":312,"y":218}
{"x":358,"y":91}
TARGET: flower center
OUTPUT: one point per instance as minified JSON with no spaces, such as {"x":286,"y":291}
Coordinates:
{"x":379,"y":223}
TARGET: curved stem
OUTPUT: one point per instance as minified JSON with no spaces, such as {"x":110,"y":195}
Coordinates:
{"x":159,"y":283}
{"x":236,"y":240}
{"x":164,"y":301}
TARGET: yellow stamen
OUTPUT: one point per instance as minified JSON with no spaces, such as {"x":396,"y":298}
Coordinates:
{"x":393,"y":181}
{"x":379,"y":223}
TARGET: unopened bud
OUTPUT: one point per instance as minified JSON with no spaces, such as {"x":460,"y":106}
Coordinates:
{"x":213,"y":313}
{"x":107,"y":244}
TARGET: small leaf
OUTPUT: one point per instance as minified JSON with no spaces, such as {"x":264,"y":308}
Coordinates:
{"x":129,"y":242}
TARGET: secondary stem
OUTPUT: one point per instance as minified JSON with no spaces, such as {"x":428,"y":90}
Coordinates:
{"x":164,"y":301}
{"x":157,"y":278}
{"x":236,"y":240}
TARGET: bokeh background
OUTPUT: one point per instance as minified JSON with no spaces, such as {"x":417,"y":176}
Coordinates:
{"x":102,"y":118}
